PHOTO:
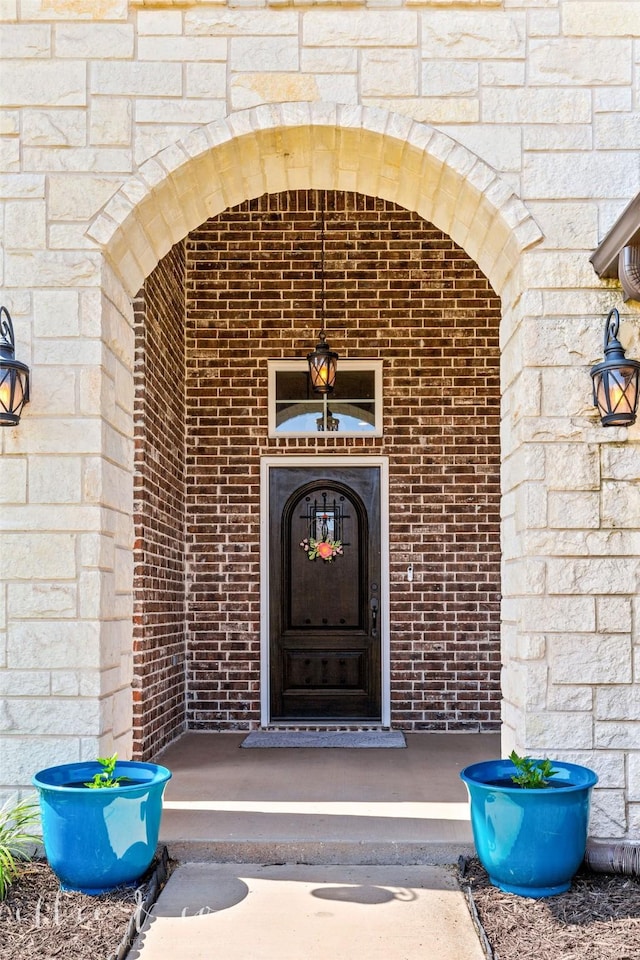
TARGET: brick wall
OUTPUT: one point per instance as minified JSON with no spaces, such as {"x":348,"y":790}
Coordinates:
{"x":159,"y":517}
{"x":399,"y":289}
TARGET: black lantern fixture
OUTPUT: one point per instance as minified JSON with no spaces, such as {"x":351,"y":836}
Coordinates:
{"x":14,"y":376}
{"x":615,"y":380}
{"x":323,"y":361}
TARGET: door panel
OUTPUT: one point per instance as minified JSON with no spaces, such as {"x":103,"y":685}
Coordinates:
{"x":324,"y":623}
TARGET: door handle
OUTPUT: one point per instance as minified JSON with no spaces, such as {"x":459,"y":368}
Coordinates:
{"x":373,"y":604}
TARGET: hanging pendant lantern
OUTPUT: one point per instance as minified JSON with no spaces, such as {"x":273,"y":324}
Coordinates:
{"x":615,"y":380}
{"x":323,"y":363}
{"x":14,"y":376}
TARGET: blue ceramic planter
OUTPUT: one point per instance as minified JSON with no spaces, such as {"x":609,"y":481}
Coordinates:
{"x":96,"y":840}
{"x":530,"y":841}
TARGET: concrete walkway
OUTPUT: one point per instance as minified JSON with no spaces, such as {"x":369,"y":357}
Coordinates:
{"x":326,"y":854}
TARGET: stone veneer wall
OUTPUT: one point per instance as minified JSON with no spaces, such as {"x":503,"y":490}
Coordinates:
{"x":397,"y":289}
{"x":159,"y":693}
{"x":509,"y":124}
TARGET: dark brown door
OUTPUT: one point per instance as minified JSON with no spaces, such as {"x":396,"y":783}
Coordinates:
{"x":325,"y":614}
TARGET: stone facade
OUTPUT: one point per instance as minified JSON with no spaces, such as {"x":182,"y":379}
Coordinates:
{"x":510,"y":125}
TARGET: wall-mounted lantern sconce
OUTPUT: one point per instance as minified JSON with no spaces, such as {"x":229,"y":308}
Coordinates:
{"x":615,"y":380}
{"x":14,"y":376}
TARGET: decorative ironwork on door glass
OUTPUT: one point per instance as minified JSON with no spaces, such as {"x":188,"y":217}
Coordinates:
{"x":325,"y":524}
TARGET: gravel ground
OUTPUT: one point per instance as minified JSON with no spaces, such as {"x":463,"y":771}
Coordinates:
{"x":598,"y":919}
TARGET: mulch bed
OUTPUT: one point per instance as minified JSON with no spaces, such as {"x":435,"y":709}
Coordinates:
{"x":598,"y":919}
{"x":38,"y":921}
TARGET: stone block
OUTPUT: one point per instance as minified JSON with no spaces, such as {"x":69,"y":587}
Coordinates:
{"x":95,"y":41}
{"x":40,"y":83}
{"x":25,"y":225}
{"x":74,"y":9}
{"x":618,"y":702}
{"x":608,"y":818}
{"x":122,"y":79}
{"x":22,"y":756}
{"x":35,"y":601}
{"x":328,"y":60}
{"x":373,"y":28}
{"x":21,"y":186}
{"x":26,"y":40}
{"x":53,"y":716}
{"x":206,"y":80}
{"x":337,"y":88}
{"x":445,"y":79}
{"x":621,"y":462}
{"x":79,"y":159}
{"x":110,"y":121}
{"x":614,"y":614}
{"x":617,"y":735}
{"x":633,"y":766}
{"x":252,"y":89}
{"x":584,"y":472}
{"x":615,"y":131}
{"x":590,"y":658}
{"x":546,"y":730}
{"x":571,"y":225}
{"x":621,"y":504}
{"x":567,"y":697}
{"x":579,"y":509}
{"x":10,"y":155}
{"x":52,"y":645}
{"x":593,"y":18}
{"x":55,"y":479}
{"x":13,"y":480}
{"x":224,"y":21}
{"x":580,"y":62}
{"x":389,"y":72}
{"x":594,"y":575}
{"x":576,"y":176}
{"x":57,"y":268}
{"x":558,"y":614}
{"x":263,"y":54}
{"x":185,"y":49}
{"x":54,"y":128}
{"x":40,"y":556}
{"x":25,"y":683}
{"x":154,"y":23}
{"x":67,"y":202}
{"x":536,"y":105}
{"x":473,"y":35}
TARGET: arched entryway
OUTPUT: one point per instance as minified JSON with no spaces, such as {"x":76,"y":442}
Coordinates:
{"x":430,"y":173}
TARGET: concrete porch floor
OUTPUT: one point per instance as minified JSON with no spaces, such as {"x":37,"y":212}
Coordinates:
{"x":320,"y":806}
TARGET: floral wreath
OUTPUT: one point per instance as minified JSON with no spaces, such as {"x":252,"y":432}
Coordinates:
{"x":325,"y":549}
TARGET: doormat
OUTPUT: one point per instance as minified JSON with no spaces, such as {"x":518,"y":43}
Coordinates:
{"x":343,"y":739}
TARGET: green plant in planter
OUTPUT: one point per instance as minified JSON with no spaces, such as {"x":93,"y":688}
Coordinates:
{"x":531,"y":774}
{"x":18,"y":839}
{"x":105,"y":777}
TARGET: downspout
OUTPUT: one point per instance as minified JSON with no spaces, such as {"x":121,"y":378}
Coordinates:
{"x":629,"y":271}
{"x":608,"y":856}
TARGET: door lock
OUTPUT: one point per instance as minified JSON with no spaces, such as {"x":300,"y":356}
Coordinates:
{"x":373,"y":604}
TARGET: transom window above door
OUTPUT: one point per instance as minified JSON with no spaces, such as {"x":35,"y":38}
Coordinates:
{"x":354,"y":408}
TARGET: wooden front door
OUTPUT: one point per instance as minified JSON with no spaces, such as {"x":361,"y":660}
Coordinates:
{"x":325,"y":615}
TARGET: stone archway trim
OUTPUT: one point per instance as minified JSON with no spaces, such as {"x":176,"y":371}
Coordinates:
{"x":291,"y":146}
